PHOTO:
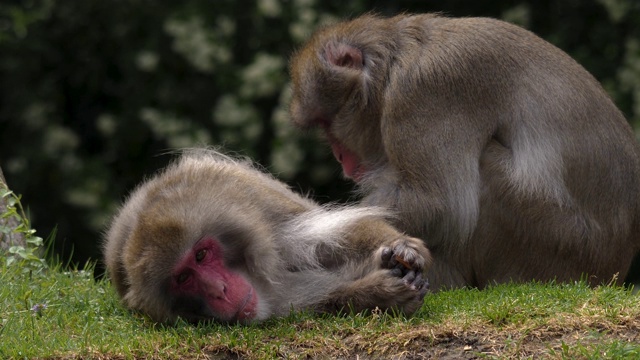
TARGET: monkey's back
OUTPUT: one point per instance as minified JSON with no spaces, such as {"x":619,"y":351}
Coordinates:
{"x":559,"y":173}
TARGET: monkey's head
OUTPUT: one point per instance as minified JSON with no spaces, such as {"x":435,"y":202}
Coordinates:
{"x":179,"y":247}
{"x":338,"y":80}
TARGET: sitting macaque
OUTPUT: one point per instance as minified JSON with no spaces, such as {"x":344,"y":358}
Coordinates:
{"x":213,"y":238}
{"x":495,"y":147}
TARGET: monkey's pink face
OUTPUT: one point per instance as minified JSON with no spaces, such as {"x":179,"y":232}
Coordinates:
{"x":351,"y":163}
{"x":203,"y":287}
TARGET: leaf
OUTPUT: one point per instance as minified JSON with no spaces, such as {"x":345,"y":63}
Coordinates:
{"x":15,"y":249}
{"x":35,"y":240}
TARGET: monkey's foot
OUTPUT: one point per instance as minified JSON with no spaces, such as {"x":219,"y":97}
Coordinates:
{"x":415,"y":281}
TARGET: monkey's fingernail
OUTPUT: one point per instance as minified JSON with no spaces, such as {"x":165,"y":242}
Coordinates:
{"x":402,"y":261}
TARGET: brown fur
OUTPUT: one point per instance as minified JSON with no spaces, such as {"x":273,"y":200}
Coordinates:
{"x":296,"y":254}
{"x":499,"y":150}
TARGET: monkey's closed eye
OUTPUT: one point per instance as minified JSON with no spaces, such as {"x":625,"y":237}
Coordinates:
{"x":200,"y":255}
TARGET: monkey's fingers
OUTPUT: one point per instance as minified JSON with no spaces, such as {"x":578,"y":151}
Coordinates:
{"x":410,"y":277}
{"x":397,"y":272}
{"x":402,"y":271}
{"x":386,"y":254}
{"x":388,"y":257}
{"x":406,"y":253}
{"x":402,"y":261}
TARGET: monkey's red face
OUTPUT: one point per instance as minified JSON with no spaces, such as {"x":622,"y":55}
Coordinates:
{"x":351,"y":163}
{"x":203,"y":287}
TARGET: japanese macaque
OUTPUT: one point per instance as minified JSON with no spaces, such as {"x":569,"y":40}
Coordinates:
{"x":495,"y":147}
{"x":213,"y":238}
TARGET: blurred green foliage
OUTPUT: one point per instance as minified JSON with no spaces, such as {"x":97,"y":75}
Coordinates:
{"x":94,"y":94}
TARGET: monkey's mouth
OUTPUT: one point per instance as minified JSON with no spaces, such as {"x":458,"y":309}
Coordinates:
{"x":351,"y":165}
{"x":247,"y":311}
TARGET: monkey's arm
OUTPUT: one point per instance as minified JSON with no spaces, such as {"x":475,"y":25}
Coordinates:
{"x":376,"y":236}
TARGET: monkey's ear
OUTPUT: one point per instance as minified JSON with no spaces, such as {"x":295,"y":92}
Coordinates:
{"x":343,"y":55}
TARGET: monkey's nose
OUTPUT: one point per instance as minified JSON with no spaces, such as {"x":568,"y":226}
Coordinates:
{"x":216,"y":289}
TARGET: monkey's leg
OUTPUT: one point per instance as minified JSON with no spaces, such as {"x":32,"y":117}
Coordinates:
{"x":396,"y":283}
{"x":383,"y":289}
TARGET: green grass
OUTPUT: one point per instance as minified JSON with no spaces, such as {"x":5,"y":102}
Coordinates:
{"x":84,"y":319}
{"x":49,"y":313}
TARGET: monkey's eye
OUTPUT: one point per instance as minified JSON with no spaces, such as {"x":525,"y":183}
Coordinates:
{"x":182,"y":278}
{"x":200,"y":255}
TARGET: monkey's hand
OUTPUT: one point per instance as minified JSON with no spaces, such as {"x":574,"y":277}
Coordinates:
{"x":406,"y":255}
{"x":407,"y":258}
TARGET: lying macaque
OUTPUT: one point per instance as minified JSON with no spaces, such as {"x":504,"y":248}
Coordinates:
{"x":213,"y":238}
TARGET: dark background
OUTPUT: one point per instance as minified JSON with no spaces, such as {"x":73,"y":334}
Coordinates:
{"x":94,"y":93}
